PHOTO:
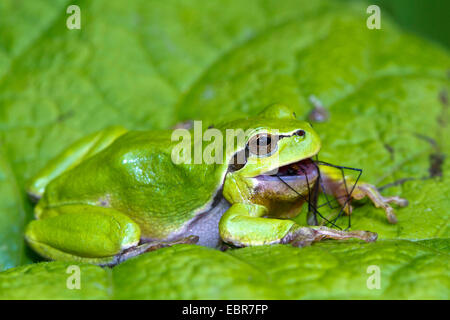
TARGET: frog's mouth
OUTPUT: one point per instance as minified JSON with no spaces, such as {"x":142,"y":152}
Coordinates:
{"x":304,"y":169}
{"x":286,"y":188}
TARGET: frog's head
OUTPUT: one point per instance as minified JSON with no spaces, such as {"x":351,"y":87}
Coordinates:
{"x":277,"y":145}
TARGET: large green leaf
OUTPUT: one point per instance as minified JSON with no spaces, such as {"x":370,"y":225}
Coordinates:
{"x":149,"y":64}
{"x":408,"y":270}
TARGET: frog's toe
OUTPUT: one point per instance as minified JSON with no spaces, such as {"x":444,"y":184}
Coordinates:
{"x":367,"y":236}
{"x":396,"y":200}
{"x":384,"y":202}
{"x":380,"y":201}
{"x":392,"y":218}
{"x":305,"y":236}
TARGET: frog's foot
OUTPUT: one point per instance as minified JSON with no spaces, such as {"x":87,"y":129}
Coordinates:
{"x":305,"y":236}
{"x":344,"y":195}
{"x":378,"y":200}
{"x":147,"y":247}
{"x":343,"y":188}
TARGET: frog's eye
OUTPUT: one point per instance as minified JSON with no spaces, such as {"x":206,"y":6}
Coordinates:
{"x":262,"y":145}
{"x":299,"y":133}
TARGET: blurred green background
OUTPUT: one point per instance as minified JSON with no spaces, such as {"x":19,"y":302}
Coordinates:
{"x":427,"y":18}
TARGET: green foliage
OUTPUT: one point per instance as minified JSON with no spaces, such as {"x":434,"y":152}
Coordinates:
{"x":146,"y":64}
{"x":409,"y":270}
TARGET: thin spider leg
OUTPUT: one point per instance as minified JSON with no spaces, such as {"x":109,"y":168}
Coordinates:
{"x":304,"y":198}
{"x":322,"y":185}
{"x":320,"y":179}
{"x":330,"y":202}
{"x":310,"y":205}
{"x":346,"y":190}
{"x":336,"y":166}
{"x":316,"y":191}
{"x":349,"y":196}
{"x":315,"y":198}
{"x":309,"y":189}
{"x":351,"y":191}
{"x":326,"y":196}
{"x":348,"y":200}
{"x":340,"y":211}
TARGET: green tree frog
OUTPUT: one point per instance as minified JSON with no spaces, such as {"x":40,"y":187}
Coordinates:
{"x":116,"y":194}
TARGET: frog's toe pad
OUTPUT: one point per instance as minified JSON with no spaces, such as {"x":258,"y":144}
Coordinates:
{"x":396,"y":200}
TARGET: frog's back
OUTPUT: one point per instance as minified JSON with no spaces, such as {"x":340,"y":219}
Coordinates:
{"x":136,"y":175}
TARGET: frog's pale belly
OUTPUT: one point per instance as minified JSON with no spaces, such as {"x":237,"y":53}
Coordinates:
{"x":206,"y":225}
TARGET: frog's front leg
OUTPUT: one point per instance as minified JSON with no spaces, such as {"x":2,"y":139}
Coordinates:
{"x":90,"y":234}
{"x":334,"y":184}
{"x":244,"y":225}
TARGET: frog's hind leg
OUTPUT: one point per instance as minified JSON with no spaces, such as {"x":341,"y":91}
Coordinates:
{"x":91,"y":234}
{"x":305,"y":236}
{"x":72,"y":156}
{"x":82,"y":233}
{"x":379,"y":201}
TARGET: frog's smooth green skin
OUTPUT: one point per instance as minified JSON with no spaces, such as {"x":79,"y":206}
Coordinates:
{"x":116,"y":194}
